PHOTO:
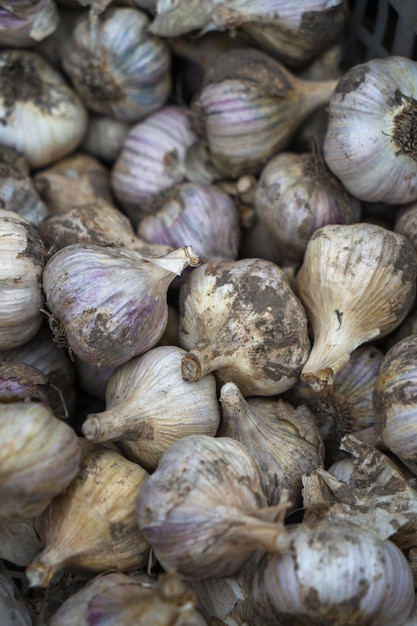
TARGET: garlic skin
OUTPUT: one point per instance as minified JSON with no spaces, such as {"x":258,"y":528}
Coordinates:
{"x":369,"y":141}
{"x":116,"y":66}
{"x":265,"y":425}
{"x":22,"y":259}
{"x":202,"y":216}
{"x":45,"y":104}
{"x":105,"y":137}
{"x":394,"y":400}
{"x":357,"y":282}
{"x":241,"y":320}
{"x":295,"y":195}
{"x":109,"y":304}
{"x":149,"y":406}
{"x":250,"y":107}
{"x":338,"y":572}
{"x":25,"y":23}
{"x":406,"y":222}
{"x":100,"y":504}
{"x":19,"y":542}
{"x":203,"y":510}
{"x":152,"y":158}
{"x":39,"y":457}
{"x":14,"y":607}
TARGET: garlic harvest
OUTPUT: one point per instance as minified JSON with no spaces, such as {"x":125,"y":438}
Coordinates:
{"x":25,"y":23}
{"x":22,"y":259}
{"x":92,"y":524}
{"x":338,"y":572}
{"x":241,"y":320}
{"x":203,"y":510}
{"x":149,"y":406}
{"x":117,"y":67}
{"x":250,"y":107}
{"x":295,"y":195}
{"x":369,"y":142}
{"x":357,"y":282}
{"x":202,"y":216}
{"x":152,"y":158}
{"x":39,"y":457}
{"x":33,"y":95}
{"x":109,"y":304}
{"x":284,"y":441}
{"x":394,"y":397}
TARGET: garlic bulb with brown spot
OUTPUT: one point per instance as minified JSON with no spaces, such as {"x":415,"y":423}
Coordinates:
{"x":149,"y":406}
{"x":241,"y":320}
{"x":92,"y":524}
{"x":284,"y":441}
{"x":203,"y":510}
{"x":39,"y":457}
{"x":22,"y":259}
{"x":357,"y":283}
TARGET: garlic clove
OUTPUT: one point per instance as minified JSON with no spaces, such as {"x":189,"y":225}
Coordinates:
{"x":110,"y":303}
{"x":357,"y":282}
{"x":91,"y":525}
{"x":241,"y":320}
{"x":39,"y":457}
{"x":149,"y":406}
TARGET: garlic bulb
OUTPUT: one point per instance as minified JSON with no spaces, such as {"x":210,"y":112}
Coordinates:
{"x":297,"y":194}
{"x":105,"y":137}
{"x":394,"y":399}
{"x":17,"y":192}
{"x":121,"y":600}
{"x":294,"y":33}
{"x":203,"y":510}
{"x":202,"y":216}
{"x":250,"y":107}
{"x":369,"y":143}
{"x":22,"y":258}
{"x":39,"y":457}
{"x":19,"y":542}
{"x":25,"y":23}
{"x":19,"y":381}
{"x":79,"y":178}
{"x":266,"y":425}
{"x":149,"y":406}
{"x":117,"y":67}
{"x":357,"y":282}
{"x":346,"y":405}
{"x":42,"y":117}
{"x":92,"y":524}
{"x":338,"y":572}
{"x":152,"y":158}
{"x":109,"y":304}
{"x":406,"y":222}
{"x":241,"y":320}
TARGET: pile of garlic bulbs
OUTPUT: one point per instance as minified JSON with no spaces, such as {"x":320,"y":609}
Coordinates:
{"x":208,"y":347}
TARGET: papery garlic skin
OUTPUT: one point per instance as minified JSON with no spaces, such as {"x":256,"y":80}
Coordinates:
{"x":117,"y":67}
{"x":19,"y":543}
{"x":42,"y":117}
{"x":39,"y":457}
{"x":202,"y":216}
{"x":26,"y":23}
{"x":110,"y":304}
{"x":339,"y":573}
{"x":152,"y":158}
{"x":202,"y":510}
{"x":394,"y":398}
{"x":22,"y":260}
{"x":149,"y":406}
{"x":357,"y":282}
{"x":241,"y":320}
{"x":369,"y":142}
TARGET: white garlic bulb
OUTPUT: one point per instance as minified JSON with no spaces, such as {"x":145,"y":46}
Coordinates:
{"x":357,"y":282}
{"x":22,"y":259}
{"x":370,"y":142}
{"x":42,"y":117}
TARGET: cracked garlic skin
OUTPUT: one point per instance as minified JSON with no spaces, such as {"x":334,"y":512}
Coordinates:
{"x":370,"y":142}
{"x":338,"y":572}
{"x":241,"y":320}
{"x":203,"y":510}
{"x":357,"y":282}
{"x":394,"y":398}
{"x":91,"y":526}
